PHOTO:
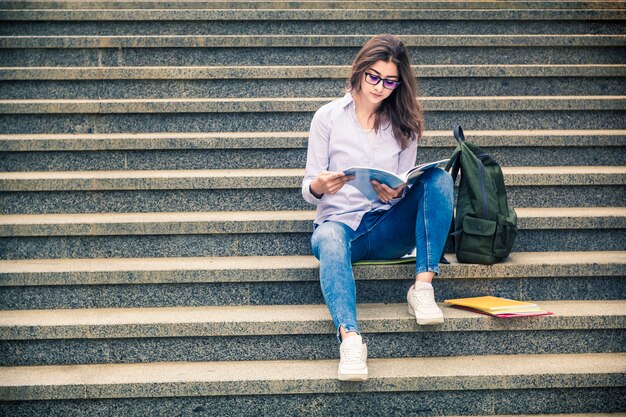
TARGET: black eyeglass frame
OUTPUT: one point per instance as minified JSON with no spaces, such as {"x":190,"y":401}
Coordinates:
{"x":384,"y":80}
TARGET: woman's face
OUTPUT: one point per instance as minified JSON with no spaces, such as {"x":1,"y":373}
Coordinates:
{"x":383,"y":70}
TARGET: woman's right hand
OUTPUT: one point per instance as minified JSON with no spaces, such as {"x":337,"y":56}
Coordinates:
{"x":328,"y":182}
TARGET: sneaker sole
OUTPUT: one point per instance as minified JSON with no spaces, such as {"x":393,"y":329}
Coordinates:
{"x":426,"y":321}
{"x":352,"y":377}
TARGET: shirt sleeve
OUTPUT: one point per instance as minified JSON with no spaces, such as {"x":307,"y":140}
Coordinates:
{"x":407,"y":158}
{"x":317,"y":159}
{"x":406,"y":161}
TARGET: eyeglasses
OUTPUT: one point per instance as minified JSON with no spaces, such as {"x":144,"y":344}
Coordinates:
{"x":375,"y":79}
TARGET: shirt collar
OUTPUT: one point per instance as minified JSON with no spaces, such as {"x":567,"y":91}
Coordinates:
{"x":346,"y":100}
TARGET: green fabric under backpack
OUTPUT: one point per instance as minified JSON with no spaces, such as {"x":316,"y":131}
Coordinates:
{"x":484,"y":226}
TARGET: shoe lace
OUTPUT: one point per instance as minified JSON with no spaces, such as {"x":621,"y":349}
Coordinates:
{"x":353,"y":354}
{"x":425,"y":297}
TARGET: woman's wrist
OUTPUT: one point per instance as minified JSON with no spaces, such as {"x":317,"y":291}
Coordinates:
{"x":314,"y":193}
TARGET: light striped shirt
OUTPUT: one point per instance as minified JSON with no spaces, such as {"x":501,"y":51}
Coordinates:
{"x":337,"y":142}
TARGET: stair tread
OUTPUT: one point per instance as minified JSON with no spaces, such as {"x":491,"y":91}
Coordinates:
{"x":283,"y":172}
{"x":301,"y":72}
{"x":271,"y":140}
{"x":284,"y":40}
{"x":246,"y":216}
{"x":300,"y":104}
{"x":287,"y":319}
{"x":310,"y":5}
{"x":311,"y":376}
{"x":291,"y":268}
{"x":308,"y":14}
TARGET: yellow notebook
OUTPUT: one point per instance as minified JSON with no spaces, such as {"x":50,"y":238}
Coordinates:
{"x":495,"y":305}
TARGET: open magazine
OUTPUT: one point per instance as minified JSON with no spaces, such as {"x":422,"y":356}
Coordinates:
{"x":363,"y":176}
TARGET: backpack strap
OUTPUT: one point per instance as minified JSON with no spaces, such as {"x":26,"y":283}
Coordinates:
{"x":458,"y":134}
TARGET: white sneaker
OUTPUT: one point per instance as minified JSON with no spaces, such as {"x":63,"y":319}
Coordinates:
{"x":353,"y":362}
{"x":422,"y":305}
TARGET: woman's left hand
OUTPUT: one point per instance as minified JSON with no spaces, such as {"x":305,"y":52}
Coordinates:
{"x":386,"y":193}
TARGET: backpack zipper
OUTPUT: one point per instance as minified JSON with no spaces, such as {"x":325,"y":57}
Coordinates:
{"x":483,"y":191}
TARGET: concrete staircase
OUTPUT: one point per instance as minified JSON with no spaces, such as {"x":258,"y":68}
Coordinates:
{"x":154,"y":245}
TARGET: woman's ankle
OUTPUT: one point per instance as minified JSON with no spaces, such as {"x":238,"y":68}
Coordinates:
{"x":345,"y":334}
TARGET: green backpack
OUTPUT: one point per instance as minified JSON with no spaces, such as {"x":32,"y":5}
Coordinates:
{"x":484,"y":226}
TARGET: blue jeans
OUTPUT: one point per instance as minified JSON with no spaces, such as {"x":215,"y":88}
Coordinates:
{"x":420,"y":220}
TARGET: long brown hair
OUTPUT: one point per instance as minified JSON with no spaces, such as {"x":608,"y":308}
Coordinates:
{"x":401,"y":108}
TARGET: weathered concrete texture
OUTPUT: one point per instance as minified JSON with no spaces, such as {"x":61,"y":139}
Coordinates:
{"x":281,"y":158}
{"x":265,"y":199}
{"x":306,"y":41}
{"x":578,"y":140}
{"x":429,"y":87}
{"x":303,"y":56}
{"x":300,"y":72}
{"x":294,"y":293}
{"x":229,"y":179}
{"x":301,"y":104}
{"x":258,"y":222}
{"x":566,"y":371}
{"x":294,"y":269}
{"x":263,"y":244}
{"x":306,"y":5}
{"x":287,"y":320}
{"x":328,"y":27}
{"x":159,"y":159}
{"x":294,"y":121}
{"x":251,"y":16}
{"x":168,"y":201}
{"x":294,"y":347}
{"x":400,"y":404}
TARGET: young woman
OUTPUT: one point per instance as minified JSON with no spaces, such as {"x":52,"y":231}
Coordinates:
{"x":376,"y":124}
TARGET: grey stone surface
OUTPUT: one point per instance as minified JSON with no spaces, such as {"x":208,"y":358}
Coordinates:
{"x":309,"y":4}
{"x":262,"y":244}
{"x":329,"y":27}
{"x":260,"y":222}
{"x":293,"y":293}
{"x":496,"y":141}
{"x":278,"y":14}
{"x":167,"y":379}
{"x":306,"y":41}
{"x":299,"y":72}
{"x":401,"y":404}
{"x":156,"y":159}
{"x":289,"y":347}
{"x":157,"y":246}
{"x":230,"y":88}
{"x":301,"y":105}
{"x":303,"y":56}
{"x":266,"y":199}
{"x":283,"y":122}
{"x":161,"y":159}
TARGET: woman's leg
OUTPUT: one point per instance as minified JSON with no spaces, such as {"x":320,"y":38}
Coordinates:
{"x":421,"y":220}
{"x":331,"y":244}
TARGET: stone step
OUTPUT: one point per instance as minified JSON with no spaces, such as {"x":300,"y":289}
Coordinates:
{"x":272,"y":189}
{"x":501,"y":384}
{"x":119,"y":22}
{"x":294,"y":114}
{"x":219,"y":50}
{"x":314,"y":81}
{"x":295,"y":332}
{"x":269,"y":280}
{"x":257,"y":150}
{"x":308,"y":4}
{"x":261,"y":233}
